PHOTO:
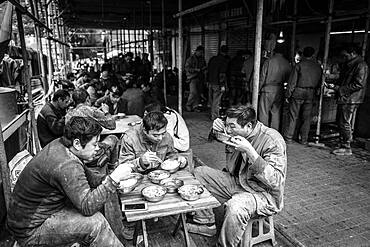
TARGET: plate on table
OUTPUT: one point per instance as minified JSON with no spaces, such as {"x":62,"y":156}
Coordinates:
{"x":119,"y":116}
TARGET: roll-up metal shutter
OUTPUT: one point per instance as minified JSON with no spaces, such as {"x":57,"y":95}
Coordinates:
{"x":237,"y":40}
{"x":211,"y":45}
{"x":195,"y":38}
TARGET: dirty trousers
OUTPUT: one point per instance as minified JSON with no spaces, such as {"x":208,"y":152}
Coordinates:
{"x":239,"y":204}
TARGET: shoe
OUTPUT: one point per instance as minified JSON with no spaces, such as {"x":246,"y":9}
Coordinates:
{"x":303,"y":142}
{"x":288,"y":140}
{"x":128,"y":230}
{"x":208,"y":230}
{"x":342,"y":151}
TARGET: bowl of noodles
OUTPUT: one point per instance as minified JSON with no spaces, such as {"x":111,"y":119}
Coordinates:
{"x":154,"y":193}
{"x":130,"y":183}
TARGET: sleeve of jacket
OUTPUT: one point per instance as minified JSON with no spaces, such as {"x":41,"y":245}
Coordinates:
{"x":71,"y":179}
{"x":99,"y":101}
{"x":270,"y":167}
{"x":292,"y":81}
{"x":128,"y":155}
{"x":358,"y":82}
{"x":189,"y":65}
{"x":55,"y":125}
{"x":264,"y":74}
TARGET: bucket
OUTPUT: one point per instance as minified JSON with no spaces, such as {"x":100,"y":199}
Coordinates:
{"x":8,"y":105}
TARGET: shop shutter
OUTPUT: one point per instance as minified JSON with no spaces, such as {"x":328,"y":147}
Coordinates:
{"x":211,"y":45}
{"x":237,"y":40}
{"x":195,"y":38}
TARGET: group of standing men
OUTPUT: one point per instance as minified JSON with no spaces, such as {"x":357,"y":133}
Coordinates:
{"x":280,"y":82}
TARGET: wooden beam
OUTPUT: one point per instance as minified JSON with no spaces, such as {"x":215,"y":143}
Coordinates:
{"x":5,"y":173}
{"x":24,"y":11}
{"x":164,"y":56}
{"x":257,"y":55}
{"x":199,"y":7}
{"x":13,"y":126}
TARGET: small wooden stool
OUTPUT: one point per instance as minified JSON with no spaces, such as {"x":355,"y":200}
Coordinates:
{"x":263,"y":222}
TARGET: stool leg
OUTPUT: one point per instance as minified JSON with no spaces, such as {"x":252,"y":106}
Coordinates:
{"x":247,"y":237}
{"x":272,"y":231}
{"x":136,"y":232}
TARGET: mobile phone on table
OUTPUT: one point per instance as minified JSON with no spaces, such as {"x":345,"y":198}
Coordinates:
{"x":137,"y":206}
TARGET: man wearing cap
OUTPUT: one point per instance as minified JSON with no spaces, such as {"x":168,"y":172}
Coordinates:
{"x":195,"y":66}
{"x":53,"y":203}
{"x":302,"y":85}
{"x":50,"y":121}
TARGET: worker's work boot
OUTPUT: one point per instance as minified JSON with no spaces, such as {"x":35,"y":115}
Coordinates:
{"x":342,"y":151}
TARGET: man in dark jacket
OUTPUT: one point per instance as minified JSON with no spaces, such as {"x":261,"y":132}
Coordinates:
{"x":275,"y":71}
{"x":302,"y":85}
{"x":217,"y":68}
{"x":195,"y":66}
{"x":53,"y":204}
{"x":50,"y":122}
{"x":112,"y":103}
{"x":351,"y":93}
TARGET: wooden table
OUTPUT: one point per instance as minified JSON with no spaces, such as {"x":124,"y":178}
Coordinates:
{"x":122,"y":125}
{"x":172,"y":204}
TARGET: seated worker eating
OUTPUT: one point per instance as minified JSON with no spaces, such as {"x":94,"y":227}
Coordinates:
{"x":253,"y":181}
{"x":147,"y":145}
{"x":53,"y":204}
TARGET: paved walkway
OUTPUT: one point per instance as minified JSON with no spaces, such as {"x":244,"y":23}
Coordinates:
{"x":327,"y":198}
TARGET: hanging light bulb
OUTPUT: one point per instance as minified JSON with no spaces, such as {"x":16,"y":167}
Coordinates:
{"x":280,"y":39}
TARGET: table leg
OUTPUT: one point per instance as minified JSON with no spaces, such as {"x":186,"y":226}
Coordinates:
{"x":136,"y":232}
{"x":187,"y":239}
{"x":145,"y":234}
{"x":177,"y":226}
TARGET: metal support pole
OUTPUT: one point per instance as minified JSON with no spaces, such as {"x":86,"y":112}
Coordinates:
{"x":151,"y":34}
{"x":366,"y":35}
{"x":117,"y":37}
{"x":120,"y":40}
{"x":325,"y":61}
{"x":50,"y":60}
{"x":180,"y":59}
{"x":257,"y":55}
{"x":129,"y":39}
{"x":294,"y":28}
{"x":34,"y":10}
{"x":27,"y":81}
{"x":142,"y":27}
{"x":124,"y":40}
{"x":164,"y":56}
{"x":135,"y":43}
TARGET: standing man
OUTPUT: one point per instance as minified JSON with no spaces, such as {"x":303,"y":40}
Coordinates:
{"x":50,"y":122}
{"x":351,"y":93}
{"x":235,"y":81}
{"x":254,"y":180}
{"x":275,"y":71}
{"x":247,"y":72}
{"x":195,"y":66}
{"x":302,"y":85}
{"x":217,"y":68}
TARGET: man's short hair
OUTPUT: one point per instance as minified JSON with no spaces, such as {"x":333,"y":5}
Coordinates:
{"x":80,"y":128}
{"x":130,"y":54}
{"x":308,"y":51}
{"x":224,"y":48}
{"x":61,"y":94}
{"x":199,"y":48}
{"x":156,"y":106}
{"x":79,"y":96}
{"x":352,"y":48}
{"x":116,"y":90}
{"x":244,"y":114}
{"x":154,"y":121}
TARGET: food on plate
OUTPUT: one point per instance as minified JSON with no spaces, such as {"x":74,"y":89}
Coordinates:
{"x":154,"y":193}
{"x":170,"y":165}
{"x":190,"y":191}
{"x":157,"y":175}
{"x":171,"y":184}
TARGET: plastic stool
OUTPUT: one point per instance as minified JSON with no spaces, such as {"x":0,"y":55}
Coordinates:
{"x":263,"y":222}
